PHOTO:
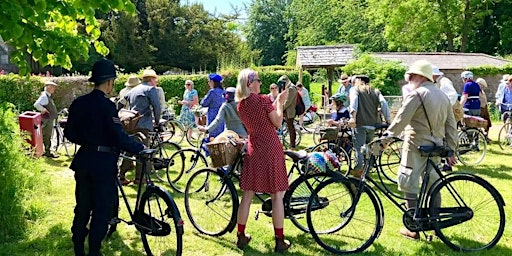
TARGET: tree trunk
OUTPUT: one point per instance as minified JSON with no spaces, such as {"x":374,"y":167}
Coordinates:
{"x":465,"y":27}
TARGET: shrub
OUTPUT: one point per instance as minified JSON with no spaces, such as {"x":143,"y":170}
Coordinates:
{"x":20,"y":175}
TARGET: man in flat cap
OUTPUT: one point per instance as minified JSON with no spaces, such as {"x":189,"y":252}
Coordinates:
{"x":46,"y":106}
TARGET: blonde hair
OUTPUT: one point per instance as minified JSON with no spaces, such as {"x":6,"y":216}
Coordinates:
{"x":242,"y":91}
{"x":191,"y":83}
{"x":481,"y":82}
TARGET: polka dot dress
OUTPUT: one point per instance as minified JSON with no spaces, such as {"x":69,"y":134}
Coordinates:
{"x":264,"y":168}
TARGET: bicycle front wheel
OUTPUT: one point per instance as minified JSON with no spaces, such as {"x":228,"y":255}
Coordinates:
{"x":470,"y":216}
{"x":159,"y":222}
{"x":389,"y":161}
{"x":471,"y":146}
{"x":162,"y":158}
{"x":337,"y":222}
{"x":505,"y":137}
{"x":211,"y":202}
{"x":297,"y":197}
{"x":183,"y":164}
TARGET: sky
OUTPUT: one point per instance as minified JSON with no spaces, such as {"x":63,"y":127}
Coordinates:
{"x":220,"y":6}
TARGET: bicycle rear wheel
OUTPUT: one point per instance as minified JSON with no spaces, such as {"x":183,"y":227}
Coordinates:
{"x":162,"y":158}
{"x":505,"y":137}
{"x":389,"y":161}
{"x":480,"y":207}
{"x":211,"y":202}
{"x":471,"y":146}
{"x":175,"y":130}
{"x":297,"y":197}
{"x":183,"y":164}
{"x":194,"y":136}
{"x":339,"y":227}
{"x":159,"y":222}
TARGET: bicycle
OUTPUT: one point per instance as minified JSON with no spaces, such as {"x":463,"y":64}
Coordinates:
{"x":471,"y":144}
{"x":354,"y":217}
{"x":155,"y":214}
{"x":184,"y":161}
{"x":211,"y":199}
{"x":58,"y":138}
{"x":284,"y":137}
{"x":505,"y":134}
{"x":164,"y":151}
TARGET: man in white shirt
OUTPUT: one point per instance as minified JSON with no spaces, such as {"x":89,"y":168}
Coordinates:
{"x":46,"y":106}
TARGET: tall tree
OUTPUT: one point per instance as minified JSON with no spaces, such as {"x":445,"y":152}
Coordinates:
{"x":266,"y":29}
{"x":48,"y":30}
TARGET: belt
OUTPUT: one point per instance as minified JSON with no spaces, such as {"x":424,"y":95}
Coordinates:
{"x":473,"y":97}
{"x":105,"y":149}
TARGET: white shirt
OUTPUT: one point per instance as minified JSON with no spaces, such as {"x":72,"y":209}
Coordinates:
{"x":42,"y":101}
{"x":447,"y":87}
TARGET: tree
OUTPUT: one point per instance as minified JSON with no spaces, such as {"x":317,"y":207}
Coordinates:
{"x":48,"y":31}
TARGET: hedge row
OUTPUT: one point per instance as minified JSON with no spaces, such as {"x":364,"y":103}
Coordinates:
{"x":23,"y":92}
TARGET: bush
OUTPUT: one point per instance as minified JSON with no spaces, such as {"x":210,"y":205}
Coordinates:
{"x":20,"y":176}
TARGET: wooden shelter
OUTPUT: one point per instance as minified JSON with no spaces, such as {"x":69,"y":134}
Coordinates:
{"x":324,"y":56}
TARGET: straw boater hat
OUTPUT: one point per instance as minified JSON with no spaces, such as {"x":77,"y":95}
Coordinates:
{"x":132,"y":81}
{"x":48,"y":83}
{"x":149,"y":73}
{"x":422,"y":68}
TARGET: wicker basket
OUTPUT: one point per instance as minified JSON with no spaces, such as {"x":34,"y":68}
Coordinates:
{"x":329,"y":133}
{"x":222,"y":153}
{"x":476,"y":122}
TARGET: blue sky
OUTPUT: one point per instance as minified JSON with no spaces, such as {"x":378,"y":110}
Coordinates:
{"x":221,"y":6}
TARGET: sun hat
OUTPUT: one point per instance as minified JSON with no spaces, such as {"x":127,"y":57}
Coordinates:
{"x":315,"y":163}
{"x":422,"y":68}
{"x":343,"y":78}
{"x":215,"y":77}
{"x":339,"y":97}
{"x":132,"y":81}
{"x":436,"y":71}
{"x":103,"y":70}
{"x":466,"y":75}
{"x":149,"y":73}
{"x":481,"y":82}
{"x":229,"y":94}
{"x":48,"y":83}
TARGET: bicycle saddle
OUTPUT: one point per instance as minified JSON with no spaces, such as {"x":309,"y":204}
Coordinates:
{"x":296,"y":155}
{"x":442,"y":151}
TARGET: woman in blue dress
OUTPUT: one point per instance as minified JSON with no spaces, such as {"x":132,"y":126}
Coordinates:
{"x":213,"y":100}
{"x":190,"y":98}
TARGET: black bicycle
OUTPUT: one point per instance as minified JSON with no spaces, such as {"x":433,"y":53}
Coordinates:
{"x":155,"y":214}
{"x":464,"y":211}
{"x":211,"y":199}
{"x":58,"y":139}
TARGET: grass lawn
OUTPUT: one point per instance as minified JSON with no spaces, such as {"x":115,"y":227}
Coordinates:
{"x":51,"y":234}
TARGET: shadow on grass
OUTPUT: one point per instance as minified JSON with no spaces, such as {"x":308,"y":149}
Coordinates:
{"x":499,"y":171}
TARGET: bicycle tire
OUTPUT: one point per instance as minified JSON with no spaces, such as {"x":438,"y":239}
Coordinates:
{"x":389,"y":161}
{"x":297,"y":196}
{"x":481,"y":231}
{"x":505,"y":137}
{"x":211,"y":202}
{"x":285,"y":138}
{"x":182,"y":166}
{"x":471,"y":146}
{"x":162,"y":158}
{"x":177,"y":131}
{"x":159,"y":223}
{"x":336,"y":227}
{"x":345,"y":159}
{"x":196,"y":136}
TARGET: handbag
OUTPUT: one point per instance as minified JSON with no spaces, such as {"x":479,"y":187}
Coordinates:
{"x":129,"y":119}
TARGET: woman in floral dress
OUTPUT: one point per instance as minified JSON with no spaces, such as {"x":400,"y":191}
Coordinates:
{"x":264,"y":168}
{"x":213,"y":100}
{"x":190,"y":98}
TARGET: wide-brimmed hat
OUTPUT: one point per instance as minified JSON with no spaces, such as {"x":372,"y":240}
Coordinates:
{"x":422,"y":68}
{"x":48,"y":83}
{"x":149,"y":73}
{"x":132,"y":81}
{"x":225,"y":136}
{"x":436,"y":71}
{"x":215,"y":77}
{"x":343,"y":78}
{"x":481,"y":82}
{"x":103,"y":70}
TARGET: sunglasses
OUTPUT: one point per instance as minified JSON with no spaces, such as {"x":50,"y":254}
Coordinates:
{"x":188,"y":84}
{"x":273,"y":88}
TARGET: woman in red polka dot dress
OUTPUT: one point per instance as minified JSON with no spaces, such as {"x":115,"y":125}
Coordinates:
{"x":264,"y":168}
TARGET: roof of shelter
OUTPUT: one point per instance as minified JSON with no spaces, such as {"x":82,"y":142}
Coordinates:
{"x":324,"y":56}
{"x":445,"y":60}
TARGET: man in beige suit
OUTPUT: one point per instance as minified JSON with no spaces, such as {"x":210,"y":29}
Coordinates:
{"x":289,"y":106}
{"x":426,"y":118}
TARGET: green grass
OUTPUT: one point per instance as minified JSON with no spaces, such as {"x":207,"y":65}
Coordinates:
{"x":50,"y":235}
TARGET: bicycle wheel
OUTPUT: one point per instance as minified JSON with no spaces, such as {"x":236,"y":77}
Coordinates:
{"x":344,"y":158}
{"x":471,"y":146}
{"x":505,"y":137}
{"x":175,"y":130}
{"x":312,"y":122}
{"x":389,"y":161}
{"x":297,"y":196}
{"x":339,"y":227}
{"x":211,"y":202}
{"x":159,"y":222}
{"x":162,"y":158}
{"x":285,"y":137}
{"x":183,"y":164}
{"x":479,"y":205}
{"x":317,"y":136}
{"x":194,"y":136}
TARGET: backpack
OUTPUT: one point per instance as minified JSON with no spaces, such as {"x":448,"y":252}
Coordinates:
{"x":129,"y":119}
{"x":300,"y":108}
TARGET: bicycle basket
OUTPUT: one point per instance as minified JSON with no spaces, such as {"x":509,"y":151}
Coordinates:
{"x":222,"y":153}
{"x":475,"y":121}
{"x":329,"y":133}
